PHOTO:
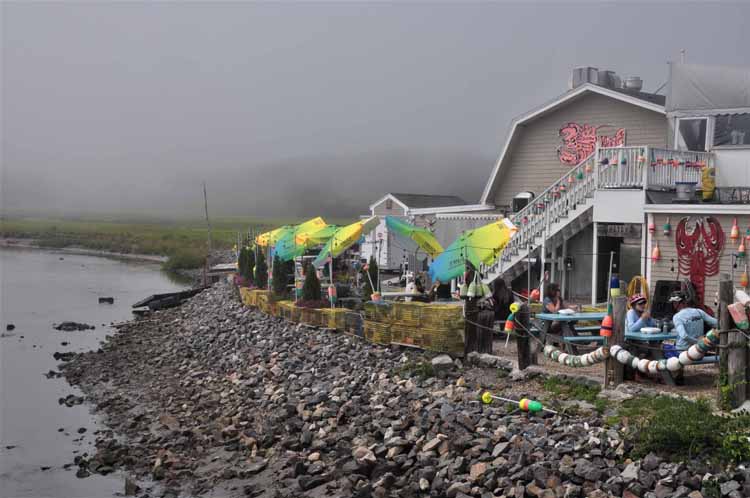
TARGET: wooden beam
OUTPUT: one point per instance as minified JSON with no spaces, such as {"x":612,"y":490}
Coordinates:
{"x":733,"y":358}
{"x":614,"y":371}
{"x":522,"y":319}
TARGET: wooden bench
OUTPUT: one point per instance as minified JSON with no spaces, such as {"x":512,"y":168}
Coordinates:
{"x":584,"y":339}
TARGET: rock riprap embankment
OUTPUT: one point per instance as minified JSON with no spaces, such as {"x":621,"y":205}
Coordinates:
{"x":215,"y":394}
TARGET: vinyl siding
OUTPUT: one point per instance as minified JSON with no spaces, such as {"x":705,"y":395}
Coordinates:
{"x":381,"y":210}
{"x":666,"y":268}
{"x":532,"y":163}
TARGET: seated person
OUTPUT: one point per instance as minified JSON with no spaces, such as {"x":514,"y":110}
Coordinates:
{"x":553,"y":300}
{"x":552,"y":304}
{"x":688,"y":322}
{"x":441,"y":291}
{"x":638,"y":316}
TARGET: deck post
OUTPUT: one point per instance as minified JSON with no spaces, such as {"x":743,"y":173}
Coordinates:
{"x":594,"y":263}
{"x":522,"y":336}
{"x":553,"y":265}
{"x":614,"y":371}
{"x":733,"y":358}
{"x":563,"y":269}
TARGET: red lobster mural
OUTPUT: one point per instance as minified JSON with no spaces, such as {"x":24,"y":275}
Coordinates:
{"x":699,"y":250}
{"x":579,"y":141}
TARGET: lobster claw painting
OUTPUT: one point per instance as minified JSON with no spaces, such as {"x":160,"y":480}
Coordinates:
{"x":699,"y":250}
{"x":580,"y":140}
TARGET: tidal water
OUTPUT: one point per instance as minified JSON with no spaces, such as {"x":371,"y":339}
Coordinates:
{"x":38,"y":436}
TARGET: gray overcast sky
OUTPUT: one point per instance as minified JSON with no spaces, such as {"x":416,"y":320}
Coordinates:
{"x":128,"y":106}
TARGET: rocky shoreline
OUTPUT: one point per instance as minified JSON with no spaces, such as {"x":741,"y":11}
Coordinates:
{"x":212,"y":398}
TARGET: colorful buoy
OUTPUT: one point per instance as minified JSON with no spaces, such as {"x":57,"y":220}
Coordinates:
{"x":734,"y":234}
{"x":510,"y":324}
{"x":579,"y":175}
{"x":651,"y":227}
{"x":525,"y":404}
{"x":741,"y":249}
{"x":744,"y":278}
{"x":667,"y":228}
{"x":606,"y":330}
{"x":656,"y":253}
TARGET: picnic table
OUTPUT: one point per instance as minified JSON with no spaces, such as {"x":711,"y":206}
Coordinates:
{"x":568,"y":329}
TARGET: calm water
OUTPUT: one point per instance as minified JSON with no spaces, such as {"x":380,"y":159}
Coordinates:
{"x":37,"y":289}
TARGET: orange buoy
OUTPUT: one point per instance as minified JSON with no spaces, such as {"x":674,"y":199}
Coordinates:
{"x":744,"y":279}
{"x":510,"y":324}
{"x":606,"y":330}
{"x":535,"y":295}
{"x":735,"y":233}
{"x":741,"y":249}
{"x":656,"y":253}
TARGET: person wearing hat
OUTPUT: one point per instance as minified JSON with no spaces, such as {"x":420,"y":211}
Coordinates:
{"x":688,"y":322}
{"x":638,"y":316}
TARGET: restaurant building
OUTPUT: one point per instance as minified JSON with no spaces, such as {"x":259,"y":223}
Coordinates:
{"x":586,"y":174}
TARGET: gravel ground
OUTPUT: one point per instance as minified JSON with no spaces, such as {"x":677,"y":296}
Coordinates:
{"x":214,"y":399}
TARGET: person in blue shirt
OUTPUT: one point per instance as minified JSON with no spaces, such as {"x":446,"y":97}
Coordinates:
{"x":688,"y":322}
{"x":638,"y":316}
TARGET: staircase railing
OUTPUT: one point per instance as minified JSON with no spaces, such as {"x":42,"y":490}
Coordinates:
{"x":554,"y":203}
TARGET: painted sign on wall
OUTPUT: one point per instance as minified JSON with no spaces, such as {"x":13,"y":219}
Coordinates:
{"x":580,"y":140}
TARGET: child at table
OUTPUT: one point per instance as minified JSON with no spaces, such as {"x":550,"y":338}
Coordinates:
{"x":638,"y":316}
{"x":689,"y":323}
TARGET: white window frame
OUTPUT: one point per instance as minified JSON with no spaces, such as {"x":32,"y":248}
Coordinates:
{"x":724,"y":147}
{"x":708,"y":145}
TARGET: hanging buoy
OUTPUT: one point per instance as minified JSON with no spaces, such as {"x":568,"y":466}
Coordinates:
{"x":651,"y":227}
{"x":332,"y":293}
{"x":527,"y":405}
{"x":667,"y":228}
{"x":655,"y":253}
{"x":606,"y":330}
{"x":744,"y":278}
{"x":735,"y":233}
{"x":472,"y":292}
{"x":623,"y":161}
{"x":563,"y":188}
{"x":579,"y":175}
{"x":741,"y":249}
{"x":510,"y":324}
{"x":514,"y":307}
{"x":614,"y":286}
{"x":588,"y":169}
{"x":535,"y":295}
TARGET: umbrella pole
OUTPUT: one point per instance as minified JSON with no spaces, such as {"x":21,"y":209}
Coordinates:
{"x":330,"y":276}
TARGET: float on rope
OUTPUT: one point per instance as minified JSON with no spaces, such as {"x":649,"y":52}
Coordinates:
{"x":576,"y":361}
{"x":526,"y":405}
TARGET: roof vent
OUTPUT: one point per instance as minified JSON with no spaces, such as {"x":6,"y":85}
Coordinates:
{"x":633,"y":83}
{"x":582,"y":75}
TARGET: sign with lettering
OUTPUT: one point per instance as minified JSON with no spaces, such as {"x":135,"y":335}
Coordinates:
{"x":580,"y":140}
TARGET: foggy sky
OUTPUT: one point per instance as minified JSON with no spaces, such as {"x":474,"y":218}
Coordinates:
{"x":299,"y":107}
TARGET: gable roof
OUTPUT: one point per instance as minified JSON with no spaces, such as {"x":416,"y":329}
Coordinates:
{"x":416,"y":201}
{"x":649,"y":101}
{"x":420,"y":201}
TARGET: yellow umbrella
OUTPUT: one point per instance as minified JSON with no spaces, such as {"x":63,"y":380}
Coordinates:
{"x":344,"y":238}
{"x":481,"y":245}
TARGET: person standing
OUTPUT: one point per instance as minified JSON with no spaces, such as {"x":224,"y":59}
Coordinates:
{"x":503,"y":298}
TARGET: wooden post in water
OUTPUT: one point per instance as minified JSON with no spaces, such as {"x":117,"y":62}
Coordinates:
{"x":522,"y":336}
{"x":733,"y":357}
{"x":614,"y":371}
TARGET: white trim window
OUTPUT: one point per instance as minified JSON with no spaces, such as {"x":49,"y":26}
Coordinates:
{"x":732,"y":130}
{"x":692,"y":134}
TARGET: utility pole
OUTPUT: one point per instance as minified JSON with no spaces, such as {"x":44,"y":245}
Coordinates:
{"x":208,"y":223}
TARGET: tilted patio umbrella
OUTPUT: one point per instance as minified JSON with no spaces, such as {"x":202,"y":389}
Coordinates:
{"x":267,"y":239}
{"x":481,"y":245}
{"x":287,"y":246}
{"x":343,"y":239}
{"x":421,"y":236}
